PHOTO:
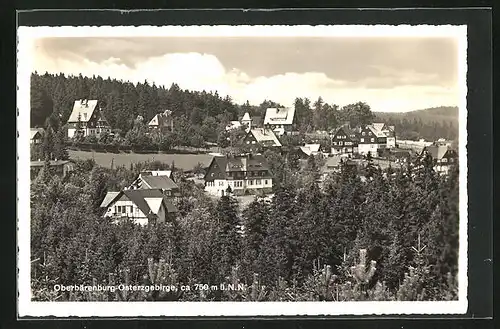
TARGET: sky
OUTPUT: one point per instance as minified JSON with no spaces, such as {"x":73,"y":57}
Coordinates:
{"x":391,"y":74}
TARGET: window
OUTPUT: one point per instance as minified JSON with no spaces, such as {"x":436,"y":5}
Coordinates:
{"x":362,"y":139}
{"x":445,"y":160}
{"x":451,"y":159}
{"x":372,"y":140}
{"x":265,"y":182}
{"x":131,"y":209}
{"x":257,"y":182}
{"x":250,"y":182}
{"x":370,"y":133}
{"x":124,"y":209}
{"x":221,"y":183}
{"x":253,"y":142}
{"x":363,"y":133}
{"x":340,"y":143}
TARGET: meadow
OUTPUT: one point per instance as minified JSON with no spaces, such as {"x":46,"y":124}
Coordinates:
{"x":182,"y":161}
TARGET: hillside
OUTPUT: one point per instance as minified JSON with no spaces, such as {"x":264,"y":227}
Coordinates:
{"x":430,"y":124}
{"x":436,"y":114}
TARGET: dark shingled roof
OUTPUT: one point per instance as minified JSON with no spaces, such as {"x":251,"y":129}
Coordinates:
{"x":159,"y":182}
{"x":436,"y":151}
{"x":241,"y":163}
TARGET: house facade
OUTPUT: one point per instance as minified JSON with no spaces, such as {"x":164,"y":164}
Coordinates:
{"x":87,"y":119}
{"x":371,"y":140}
{"x":162,"y":121}
{"x":444,"y":157}
{"x":60,"y":168}
{"x":280,"y":120}
{"x":344,"y":141}
{"x":142,"y":206}
{"x":257,"y":138}
{"x":243,"y":174}
{"x":36,"y":136}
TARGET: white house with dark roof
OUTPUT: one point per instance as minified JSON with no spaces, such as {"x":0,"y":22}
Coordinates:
{"x":140,"y":206}
{"x":243,"y":174}
{"x":162,"y":121}
{"x":371,"y":140}
{"x":36,"y":135}
{"x":89,"y":116}
{"x":444,"y":157}
{"x":262,"y":137}
{"x":280,"y":120}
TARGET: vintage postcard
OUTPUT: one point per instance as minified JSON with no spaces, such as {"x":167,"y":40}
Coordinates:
{"x":242,"y":170}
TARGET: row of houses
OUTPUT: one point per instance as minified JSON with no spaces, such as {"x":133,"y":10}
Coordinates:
{"x":87,"y":118}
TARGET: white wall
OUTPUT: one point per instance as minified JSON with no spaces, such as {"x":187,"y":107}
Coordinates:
{"x":365,"y":148}
{"x":218,"y":186}
{"x":137,"y":215}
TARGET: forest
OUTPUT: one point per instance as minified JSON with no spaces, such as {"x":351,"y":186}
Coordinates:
{"x":393,"y":236}
{"x":199,"y":117}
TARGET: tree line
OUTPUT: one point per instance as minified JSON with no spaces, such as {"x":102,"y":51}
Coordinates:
{"x":352,"y":238}
{"x":199,"y":117}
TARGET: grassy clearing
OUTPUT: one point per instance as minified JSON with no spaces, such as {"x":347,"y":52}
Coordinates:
{"x":184,"y":161}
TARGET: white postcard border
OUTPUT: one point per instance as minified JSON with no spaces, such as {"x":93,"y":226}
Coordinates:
{"x":26,"y":307}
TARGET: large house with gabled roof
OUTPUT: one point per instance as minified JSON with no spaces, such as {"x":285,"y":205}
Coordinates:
{"x":162,"y":121}
{"x":371,"y":140}
{"x":242,"y":174}
{"x":142,"y":206}
{"x":444,"y":157}
{"x":159,"y":180}
{"x":261,"y":138}
{"x":280,"y":119}
{"x":344,"y":141}
{"x":87,"y":119}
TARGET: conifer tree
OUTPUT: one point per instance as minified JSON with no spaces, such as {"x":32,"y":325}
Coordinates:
{"x":228,"y":245}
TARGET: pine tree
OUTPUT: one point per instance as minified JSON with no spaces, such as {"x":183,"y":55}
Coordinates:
{"x":255,"y":221}
{"x":228,"y":245}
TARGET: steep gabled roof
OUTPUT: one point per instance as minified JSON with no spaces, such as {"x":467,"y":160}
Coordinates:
{"x":280,"y":116}
{"x":376,"y":132}
{"x":161,"y":119}
{"x":35,"y":131}
{"x":436,"y":151}
{"x":138,"y":197}
{"x":265,"y":136}
{"x":159,"y":182}
{"x":110,"y":196}
{"x":239,"y":163}
{"x":378,"y":125}
{"x":84,"y":108}
{"x":246,"y":117}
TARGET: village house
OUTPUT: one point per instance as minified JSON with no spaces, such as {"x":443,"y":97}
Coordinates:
{"x":371,"y":140}
{"x":280,"y":120}
{"x":142,"y":206}
{"x":309,"y":149}
{"x":36,"y":135}
{"x":162,"y":121}
{"x":233,"y":125}
{"x":157,"y":180}
{"x":57,"y":167}
{"x":344,"y":141}
{"x":261,"y":137}
{"x":87,"y":119}
{"x":243,"y":174}
{"x":415,"y":146}
{"x":333,"y":164}
{"x":444,"y":157}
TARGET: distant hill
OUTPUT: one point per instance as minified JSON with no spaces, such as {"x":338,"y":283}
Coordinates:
{"x":435,"y":114}
{"x":430,"y":124}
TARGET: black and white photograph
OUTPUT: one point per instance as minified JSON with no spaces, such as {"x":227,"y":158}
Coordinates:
{"x":242,"y":170}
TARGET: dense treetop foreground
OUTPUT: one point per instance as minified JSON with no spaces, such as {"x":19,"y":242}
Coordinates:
{"x":351,"y":239}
